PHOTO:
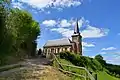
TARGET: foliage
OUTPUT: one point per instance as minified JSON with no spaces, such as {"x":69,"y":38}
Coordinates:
{"x":92,"y":64}
{"x":111,"y":69}
{"x":89,"y":63}
{"x":18,"y":33}
{"x":100,"y":59}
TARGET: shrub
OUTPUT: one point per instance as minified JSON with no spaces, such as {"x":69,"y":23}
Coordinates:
{"x":89,"y":63}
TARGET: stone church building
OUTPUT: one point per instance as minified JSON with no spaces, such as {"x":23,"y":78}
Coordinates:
{"x":65,"y":44}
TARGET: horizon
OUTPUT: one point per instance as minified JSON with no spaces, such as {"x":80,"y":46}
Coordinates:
{"x":98,"y":23}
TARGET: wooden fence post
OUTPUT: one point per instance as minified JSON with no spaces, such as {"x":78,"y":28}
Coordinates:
{"x":95,"y":76}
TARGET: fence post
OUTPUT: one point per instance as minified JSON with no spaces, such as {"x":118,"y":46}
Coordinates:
{"x":95,"y":76}
{"x":85,"y":76}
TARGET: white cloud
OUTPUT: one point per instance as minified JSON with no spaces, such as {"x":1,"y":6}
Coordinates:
{"x":109,"y":48}
{"x":64,"y":27}
{"x":93,"y":32}
{"x":65,"y":23}
{"x":65,"y":32}
{"x":49,"y":23}
{"x":111,"y":57}
{"x":114,"y":59}
{"x":16,"y":5}
{"x":52,"y":3}
{"x":85,"y":44}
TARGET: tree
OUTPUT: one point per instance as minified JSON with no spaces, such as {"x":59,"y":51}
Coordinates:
{"x":18,"y":33}
{"x":100,"y":59}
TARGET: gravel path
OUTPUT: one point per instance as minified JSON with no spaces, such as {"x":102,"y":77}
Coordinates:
{"x":34,"y":69}
{"x":28,"y":64}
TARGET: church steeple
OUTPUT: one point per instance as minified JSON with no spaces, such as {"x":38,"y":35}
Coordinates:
{"x":76,"y":28}
{"x":77,"y":40}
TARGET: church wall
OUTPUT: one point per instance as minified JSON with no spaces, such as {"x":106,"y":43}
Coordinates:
{"x":56,"y":49}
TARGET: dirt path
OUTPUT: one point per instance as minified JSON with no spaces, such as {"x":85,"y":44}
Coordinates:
{"x":28,"y":63}
{"x":34,"y":69}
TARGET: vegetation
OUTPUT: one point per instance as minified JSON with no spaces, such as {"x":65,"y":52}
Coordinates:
{"x":83,"y":61}
{"x":104,"y":76}
{"x":97,"y":65}
{"x":18,"y":34}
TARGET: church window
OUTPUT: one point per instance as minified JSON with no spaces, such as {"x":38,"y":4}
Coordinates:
{"x":58,"y":50}
{"x":65,"y":49}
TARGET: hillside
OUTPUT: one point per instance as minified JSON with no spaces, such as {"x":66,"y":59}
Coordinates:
{"x":102,"y":75}
{"x":94,"y":65}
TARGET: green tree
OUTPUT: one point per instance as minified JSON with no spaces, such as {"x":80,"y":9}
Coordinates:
{"x":100,"y":59}
{"x":18,"y":33}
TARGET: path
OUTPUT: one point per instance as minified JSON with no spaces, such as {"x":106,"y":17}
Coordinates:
{"x":38,"y":63}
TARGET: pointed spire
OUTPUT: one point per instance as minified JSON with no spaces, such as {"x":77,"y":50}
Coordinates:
{"x":76,"y":28}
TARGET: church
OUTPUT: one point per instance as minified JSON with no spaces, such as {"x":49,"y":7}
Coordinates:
{"x":65,"y":44}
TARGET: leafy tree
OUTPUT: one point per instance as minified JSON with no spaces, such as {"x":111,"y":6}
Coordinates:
{"x":100,"y":59}
{"x":18,"y":33}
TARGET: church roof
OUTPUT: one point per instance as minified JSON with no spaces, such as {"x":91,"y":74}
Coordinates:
{"x":58,"y":42}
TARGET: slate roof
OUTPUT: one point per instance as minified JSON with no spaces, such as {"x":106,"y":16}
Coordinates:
{"x":58,"y":42}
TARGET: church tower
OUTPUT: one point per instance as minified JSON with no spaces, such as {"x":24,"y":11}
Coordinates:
{"x":77,"y":40}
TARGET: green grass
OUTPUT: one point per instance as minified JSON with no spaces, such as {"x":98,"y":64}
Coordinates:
{"x":105,"y":76}
{"x":101,"y":75}
{"x":72,"y":69}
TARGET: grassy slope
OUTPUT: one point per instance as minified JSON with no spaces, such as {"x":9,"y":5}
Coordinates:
{"x":101,"y":75}
{"x":105,"y":76}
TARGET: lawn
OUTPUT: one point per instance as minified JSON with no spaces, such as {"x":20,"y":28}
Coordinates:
{"x":105,"y":76}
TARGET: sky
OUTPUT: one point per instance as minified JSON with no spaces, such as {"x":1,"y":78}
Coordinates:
{"x":98,"y":23}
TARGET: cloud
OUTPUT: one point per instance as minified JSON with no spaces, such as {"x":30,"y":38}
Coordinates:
{"x":49,"y":23}
{"x":65,"y":23}
{"x":113,"y":59}
{"x":64,"y":27}
{"x":94,"y":32}
{"x":52,"y":3}
{"x":85,"y":44}
{"x":16,"y":5}
{"x":109,"y":48}
{"x":64,"y":32}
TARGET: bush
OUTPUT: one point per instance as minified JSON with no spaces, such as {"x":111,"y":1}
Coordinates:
{"x":89,"y":63}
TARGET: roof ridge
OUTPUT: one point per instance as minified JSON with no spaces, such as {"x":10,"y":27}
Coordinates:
{"x":58,"y":39}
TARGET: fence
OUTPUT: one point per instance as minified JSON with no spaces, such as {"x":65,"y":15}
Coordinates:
{"x":82,"y":72}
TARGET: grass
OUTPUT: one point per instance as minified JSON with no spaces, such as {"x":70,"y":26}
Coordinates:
{"x":104,"y":76}
{"x":100,"y":75}
{"x":72,"y":69}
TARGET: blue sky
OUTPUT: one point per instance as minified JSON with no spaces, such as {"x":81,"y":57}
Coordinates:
{"x":98,"y":23}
